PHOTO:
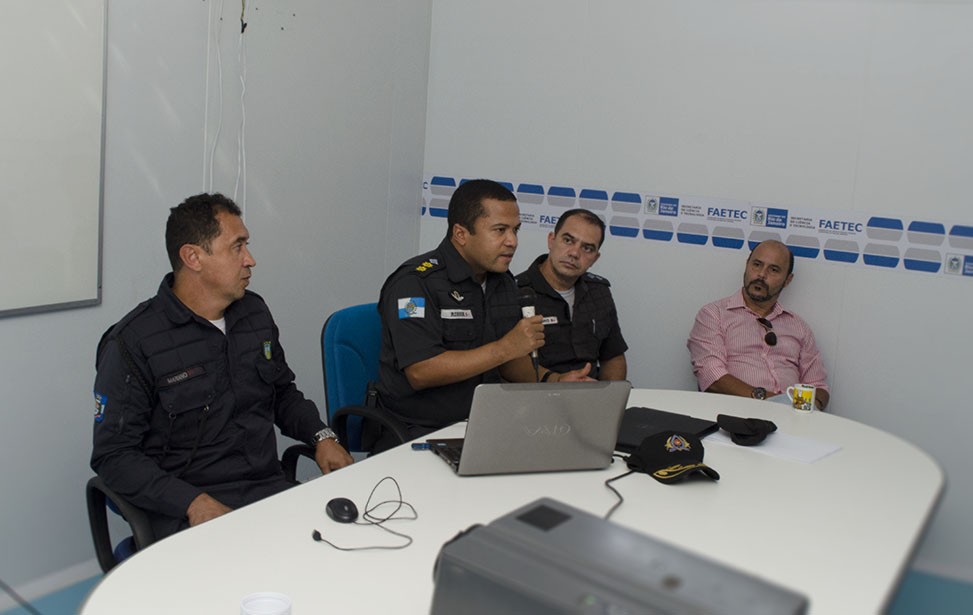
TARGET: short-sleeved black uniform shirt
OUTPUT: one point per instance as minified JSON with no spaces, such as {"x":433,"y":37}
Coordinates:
{"x":431,"y":304}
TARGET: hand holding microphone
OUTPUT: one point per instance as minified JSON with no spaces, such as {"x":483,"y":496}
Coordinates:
{"x":527,"y":299}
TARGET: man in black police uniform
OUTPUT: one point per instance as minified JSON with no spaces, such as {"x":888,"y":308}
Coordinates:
{"x":191,"y":382}
{"x":580,"y":320}
{"x":451,"y":319}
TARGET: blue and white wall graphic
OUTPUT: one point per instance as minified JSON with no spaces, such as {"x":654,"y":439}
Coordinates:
{"x":853,"y":238}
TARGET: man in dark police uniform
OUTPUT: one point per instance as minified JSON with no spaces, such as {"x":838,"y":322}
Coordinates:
{"x":580,"y":320}
{"x":191,"y":383}
{"x":451,"y":318}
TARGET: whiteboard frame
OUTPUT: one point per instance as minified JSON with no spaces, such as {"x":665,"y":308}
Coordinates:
{"x":97,"y":298}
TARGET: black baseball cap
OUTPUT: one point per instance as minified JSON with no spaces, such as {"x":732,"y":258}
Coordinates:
{"x":671,"y":457}
{"x":745,"y":432}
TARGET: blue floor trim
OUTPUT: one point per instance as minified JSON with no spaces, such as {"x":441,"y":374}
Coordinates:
{"x":922,"y":593}
{"x":68,"y":601}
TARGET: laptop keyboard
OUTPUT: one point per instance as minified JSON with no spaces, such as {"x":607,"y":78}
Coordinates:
{"x":451,"y":454}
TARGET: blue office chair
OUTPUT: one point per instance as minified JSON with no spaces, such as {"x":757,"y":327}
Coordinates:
{"x":351,"y":341}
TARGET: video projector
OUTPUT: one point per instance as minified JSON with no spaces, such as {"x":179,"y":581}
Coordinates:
{"x":548,"y":557}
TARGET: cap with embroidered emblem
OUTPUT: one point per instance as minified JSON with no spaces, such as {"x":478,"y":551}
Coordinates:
{"x":671,"y":457}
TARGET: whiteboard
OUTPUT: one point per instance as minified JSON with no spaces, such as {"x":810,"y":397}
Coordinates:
{"x":52,"y":64}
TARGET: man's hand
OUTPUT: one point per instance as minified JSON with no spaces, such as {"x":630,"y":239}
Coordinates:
{"x":577,"y":375}
{"x":331,"y":456}
{"x":204,"y":508}
{"x":526,"y":337}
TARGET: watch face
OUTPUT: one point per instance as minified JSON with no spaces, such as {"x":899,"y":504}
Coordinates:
{"x":759,"y":393}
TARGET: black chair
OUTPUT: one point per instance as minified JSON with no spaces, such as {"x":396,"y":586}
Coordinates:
{"x":101,"y":499}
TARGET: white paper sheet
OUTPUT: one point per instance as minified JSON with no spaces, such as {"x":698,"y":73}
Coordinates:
{"x":783,"y":446}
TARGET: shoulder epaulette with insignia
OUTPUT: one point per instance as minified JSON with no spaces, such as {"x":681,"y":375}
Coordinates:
{"x":426,"y":267}
{"x":597,"y":279}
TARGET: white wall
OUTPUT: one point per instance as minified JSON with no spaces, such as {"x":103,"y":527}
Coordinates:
{"x":844,"y":106}
{"x":335,"y":123}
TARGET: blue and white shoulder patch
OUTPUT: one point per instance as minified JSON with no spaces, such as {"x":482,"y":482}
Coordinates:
{"x":101,"y":401}
{"x":412,"y":307}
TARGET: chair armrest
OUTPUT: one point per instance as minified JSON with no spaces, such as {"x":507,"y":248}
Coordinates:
{"x":97,"y":493}
{"x":339,"y":421}
{"x":289,"y":459}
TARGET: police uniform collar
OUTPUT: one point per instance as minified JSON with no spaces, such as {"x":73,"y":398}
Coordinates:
{"x":176,"y":310}
{"x":457,"y":269}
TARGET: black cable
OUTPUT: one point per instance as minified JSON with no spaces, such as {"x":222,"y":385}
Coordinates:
{"x":608,"y":483}
{"x":20,"y":599}
{"x":369,"y":518}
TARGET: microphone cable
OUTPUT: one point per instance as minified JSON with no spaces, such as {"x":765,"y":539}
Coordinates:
{"x":371,"y":517}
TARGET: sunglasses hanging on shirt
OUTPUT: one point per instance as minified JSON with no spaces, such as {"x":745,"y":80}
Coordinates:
{"x":770,"y":337}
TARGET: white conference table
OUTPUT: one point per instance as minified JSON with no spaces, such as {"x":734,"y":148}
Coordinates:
{"x":840,"y":530}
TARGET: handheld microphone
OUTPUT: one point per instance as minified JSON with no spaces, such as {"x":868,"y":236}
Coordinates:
{"x":527,"y":299}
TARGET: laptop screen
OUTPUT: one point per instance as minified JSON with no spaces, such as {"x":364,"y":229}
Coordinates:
{"x":542,"y":427}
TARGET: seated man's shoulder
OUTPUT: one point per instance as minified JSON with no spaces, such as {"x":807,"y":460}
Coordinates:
{"x":146,"y":318}
{"x":594,"y":278}
{"x":421,"y":266}
{"x":723,"y":303}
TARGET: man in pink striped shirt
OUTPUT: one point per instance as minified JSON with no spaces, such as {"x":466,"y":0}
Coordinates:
{"x":747,"y":344}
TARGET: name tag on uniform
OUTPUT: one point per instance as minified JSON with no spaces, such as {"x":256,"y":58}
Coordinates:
{"x":549,"y":320}
{"x":456,"y":314}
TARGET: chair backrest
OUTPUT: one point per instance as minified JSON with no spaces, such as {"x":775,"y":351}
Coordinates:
{"x":351,"y":341}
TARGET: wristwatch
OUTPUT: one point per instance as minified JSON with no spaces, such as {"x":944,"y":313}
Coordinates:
{"x":758,"y":393}
{"x":325,"y":434}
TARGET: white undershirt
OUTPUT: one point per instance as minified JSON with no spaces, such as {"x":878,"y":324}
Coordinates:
{"x":568,"y":295}
{"x":220,"y":324}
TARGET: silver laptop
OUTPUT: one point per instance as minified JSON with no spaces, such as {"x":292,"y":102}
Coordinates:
{"x":541,"y":427}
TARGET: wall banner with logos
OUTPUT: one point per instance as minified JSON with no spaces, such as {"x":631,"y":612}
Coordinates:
{"x":868,"y":240}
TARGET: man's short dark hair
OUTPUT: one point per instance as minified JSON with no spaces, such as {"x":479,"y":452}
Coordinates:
{"x":194,"y":221}
{"x":588,"y":216}
{"x":466,"y":204}
{"x":790,"y":256}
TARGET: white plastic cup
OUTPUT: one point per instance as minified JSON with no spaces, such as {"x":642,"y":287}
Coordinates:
{"x":265,"y":603}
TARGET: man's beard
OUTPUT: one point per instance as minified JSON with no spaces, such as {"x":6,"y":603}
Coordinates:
{"x":752,"y":292}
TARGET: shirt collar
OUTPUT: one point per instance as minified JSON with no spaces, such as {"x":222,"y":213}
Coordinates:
{"x":177,"y":311}
{"x":736,"y":302}
{"x":540,"y":283}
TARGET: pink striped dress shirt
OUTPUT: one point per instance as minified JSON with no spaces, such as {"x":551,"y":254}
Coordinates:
{"x":727,"y":339}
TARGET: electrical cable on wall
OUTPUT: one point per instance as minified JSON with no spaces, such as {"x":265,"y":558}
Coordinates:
{"x":219,"y":78}
{"x":241,"y":162}
{"x":210,"y":146}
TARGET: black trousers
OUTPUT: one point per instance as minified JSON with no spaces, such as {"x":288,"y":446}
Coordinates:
{"x":234,"y":495}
